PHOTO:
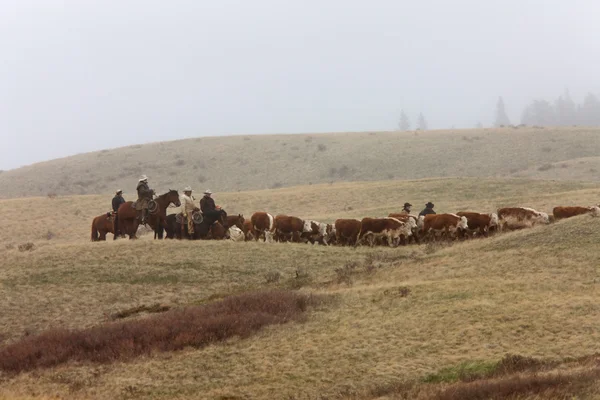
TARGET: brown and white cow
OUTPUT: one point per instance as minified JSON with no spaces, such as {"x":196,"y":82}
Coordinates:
{"x":388,"y":229}
{"x":480,"y":223}
{"x":568,"y":212}
{"x":346,"y":231}
{"x":448,"y":225}
{"x":318,"y":232}
{"x":288,"y":228}
{"x":404,"y":217}
{"x":263,"y":225}
{"x":247,"y":229}
{"x":520,"y":217}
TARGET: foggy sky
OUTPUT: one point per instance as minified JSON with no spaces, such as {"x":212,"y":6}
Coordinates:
{"x":85,"y":75}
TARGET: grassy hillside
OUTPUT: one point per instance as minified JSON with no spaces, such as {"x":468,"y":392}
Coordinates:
{"x":394,"y":316}
{"x":228,"y":164}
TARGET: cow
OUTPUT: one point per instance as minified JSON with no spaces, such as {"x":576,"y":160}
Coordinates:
{"x":346,"y":231}
{"x":568,"y":212}
{"x":288,"y":228}
{"x":448,"y":225}
{"x":389,"y":229}
{"x":404,"y":218}
{"x":263,"y":225}
{"x":520,"y":217}
{"x":484,"y":224}
{"x":317,"y":232}
{"x":247,"y":229}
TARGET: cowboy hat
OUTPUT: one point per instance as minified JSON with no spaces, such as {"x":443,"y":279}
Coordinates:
{"x":407,"y":205}
{"x":187,"y":189}
{"x":119,"y":191}
{"x":207,"y":191}
{"x":143,"y":178}
{"x":429,"y":204}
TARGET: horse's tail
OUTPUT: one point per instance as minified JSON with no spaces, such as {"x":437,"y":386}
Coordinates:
{"x":94,"y":231}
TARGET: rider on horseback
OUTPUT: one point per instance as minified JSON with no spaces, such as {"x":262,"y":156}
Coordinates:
{"x":207,"y":204}
{"x":116,"y":203}
{"x":144,"y":196}
{"x":187,"y":209}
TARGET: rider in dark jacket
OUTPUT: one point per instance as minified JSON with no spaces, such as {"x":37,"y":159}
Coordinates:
{"x":117,"y":200}
{"x":428,"y":209}
{"x":116,"y":203}
{"x":144,"y":196}
{"x":207,"y":203}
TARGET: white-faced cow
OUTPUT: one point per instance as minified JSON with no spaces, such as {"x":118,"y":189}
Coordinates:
{"x":443,"y":225}
{"x":563,"y":212}
{"x":263,"y":225}
{"x":388,"y":229}
{"x":512,"y":218}
{"x":483,"y":224}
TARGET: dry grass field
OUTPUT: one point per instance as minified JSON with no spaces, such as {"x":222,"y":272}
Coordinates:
{"x":229,"y":164}
{"x":427,"y":321}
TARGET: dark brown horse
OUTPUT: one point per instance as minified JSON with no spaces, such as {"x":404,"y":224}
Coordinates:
{"x":235,"y":220}
{"x":101,"y":225}
{"x":128,"y":222}
{"x":203,"y":230}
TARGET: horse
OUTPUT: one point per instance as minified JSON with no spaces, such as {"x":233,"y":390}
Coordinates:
{"x":175,"y":230}
{"x":127,"y":214}
{"x":235,"y":220}
{"x":101,"y":225}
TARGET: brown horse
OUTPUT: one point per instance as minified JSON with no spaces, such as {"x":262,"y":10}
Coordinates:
{"x":101,"y":225}
{"x":128,"y":222}
{"x":235,"y":220}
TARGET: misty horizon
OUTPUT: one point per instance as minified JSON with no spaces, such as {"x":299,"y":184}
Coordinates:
{"x":86,"y":77}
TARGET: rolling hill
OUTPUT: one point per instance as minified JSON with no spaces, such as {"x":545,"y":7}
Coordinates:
{"x":229,"y":164}
{"x":416,"y":322}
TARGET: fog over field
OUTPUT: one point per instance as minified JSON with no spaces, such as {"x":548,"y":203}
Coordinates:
{"x":83,"y":76}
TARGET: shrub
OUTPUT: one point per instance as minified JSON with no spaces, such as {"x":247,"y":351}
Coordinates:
{"x":179,"y":163}
{"x":155,"y":308}
{"x":321,"y":147}
{"x":195,"y":326}
{"x":272,"y":276}
{"x":545,"y":167}
{"x":52,"y":195}
{"x":201,"y":178}
{"x":50,"y":235}
{"x":276,"y":185}
{"x":27,"y":247}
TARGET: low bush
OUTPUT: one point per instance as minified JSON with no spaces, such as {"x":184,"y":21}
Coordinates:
{"x":194,"y":326}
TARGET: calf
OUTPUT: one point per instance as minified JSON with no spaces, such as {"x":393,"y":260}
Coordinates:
{"x":520,"y":217}
{"x":318,"y":232}
{"x":288,"y":227}
{"x":404,"y":218}
{"x":389,"y":229}
{"x":346,"y":231}
{"x":568,"y":212}
{"x":448,"y":225}
{"x":481,"y":223}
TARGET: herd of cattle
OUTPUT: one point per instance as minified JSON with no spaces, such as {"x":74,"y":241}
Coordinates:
{"x":395,"y":229}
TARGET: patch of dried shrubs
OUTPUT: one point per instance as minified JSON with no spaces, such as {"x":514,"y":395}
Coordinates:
{"x":194,"y":326}
{"x":154,"y":308}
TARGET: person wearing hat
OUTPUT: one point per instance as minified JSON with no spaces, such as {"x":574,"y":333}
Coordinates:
{"x":144,"y":196}
{"x":428,"y":209}
{"x":187,"y":209}
{"x":116,"y":203}
{"x":207,"y":203}
{"x":406,"y":209}
{"x":117,"y":200}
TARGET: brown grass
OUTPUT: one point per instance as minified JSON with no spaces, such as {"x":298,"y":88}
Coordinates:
{"x":409,"y":314}
{"x":196,"y":326}
{"x":229,"y":164}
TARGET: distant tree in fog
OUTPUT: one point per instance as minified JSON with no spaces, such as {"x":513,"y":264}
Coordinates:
{"x":422,"y":124}
{"x":588,"y":114}
{"x":539,"y":112}
{"x":565,"y":110}
{"x":501,"y":117}
{"x":479,"y":125}
{"x":404,"y":123}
